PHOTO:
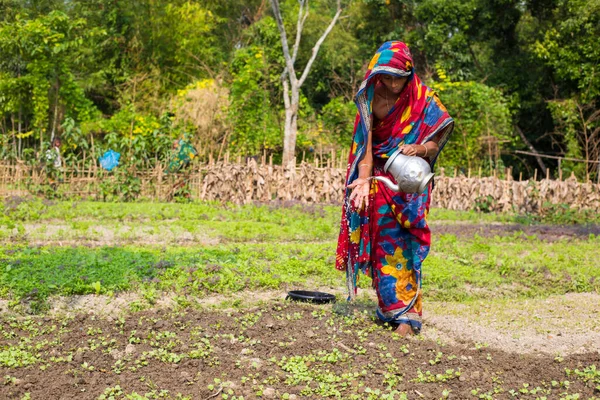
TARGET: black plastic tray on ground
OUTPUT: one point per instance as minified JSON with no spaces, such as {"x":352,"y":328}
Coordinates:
{"x":310,"y":296}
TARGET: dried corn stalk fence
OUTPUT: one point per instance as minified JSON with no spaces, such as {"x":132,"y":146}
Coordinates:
{"x":261,"y":181}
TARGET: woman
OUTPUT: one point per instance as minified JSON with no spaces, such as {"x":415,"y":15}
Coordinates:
{"x":385,"y":233}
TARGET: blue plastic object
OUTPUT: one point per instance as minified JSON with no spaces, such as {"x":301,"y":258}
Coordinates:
{"x":109,"y":160}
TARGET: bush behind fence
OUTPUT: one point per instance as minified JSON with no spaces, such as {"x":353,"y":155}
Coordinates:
{"x":262,"y":182}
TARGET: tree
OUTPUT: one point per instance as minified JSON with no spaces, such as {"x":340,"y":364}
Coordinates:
{"x":251,"y":112}
{"x":483,"y":124}
{"x":570,"y":48}
{"x":291,"y":82}
{"x":39,"y":72}
{"x":579,"y":126}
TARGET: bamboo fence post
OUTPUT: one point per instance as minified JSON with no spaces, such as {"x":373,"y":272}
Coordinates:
{"x":559,"y":169}
{"x":520,"y":176}
{"x":535,"y":175}
{"x":479,"y":175}
{"x":159,"y":179}
{"x":547,"y":173}
{"x":198,"y":183}
{"x":321,"y":154}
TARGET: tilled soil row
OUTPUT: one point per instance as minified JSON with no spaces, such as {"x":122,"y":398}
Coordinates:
{"x":280,"y":350}
{"x":549,"y":233}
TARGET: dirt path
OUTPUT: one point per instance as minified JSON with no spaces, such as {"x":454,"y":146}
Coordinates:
{"x":557,"y":325}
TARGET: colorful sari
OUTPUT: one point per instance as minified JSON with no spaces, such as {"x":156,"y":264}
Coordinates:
{"x":390,"y":239}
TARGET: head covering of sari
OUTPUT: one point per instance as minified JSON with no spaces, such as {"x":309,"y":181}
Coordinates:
{"x":416,"y":117}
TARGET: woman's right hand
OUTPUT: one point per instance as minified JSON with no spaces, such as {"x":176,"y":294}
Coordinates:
{"x":360,"y":192}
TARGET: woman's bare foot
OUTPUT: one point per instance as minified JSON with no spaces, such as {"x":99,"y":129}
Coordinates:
{"x":404,"y":330}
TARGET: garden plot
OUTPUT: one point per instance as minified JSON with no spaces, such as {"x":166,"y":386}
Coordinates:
{"x":185,"y":301}
{"x":279,"y":350}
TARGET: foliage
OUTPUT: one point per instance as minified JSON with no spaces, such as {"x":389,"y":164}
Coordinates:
{"x":202,"y":107}
{"x":118,"y":185}
{"x":563,"y":214}
{"x":337,"y":118}
{"x":482,"y":124}
{"x":84,"y":70}
{"x":446,"y":31}
{"x":255,"y":122}
{"x":335,"y":71}
{"x":570,"y":47}
{"x":567,"y":118}
{"x":38,"y":71}
{"x":140,"y":138}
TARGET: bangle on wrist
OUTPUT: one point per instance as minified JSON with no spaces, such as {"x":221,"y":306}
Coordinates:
{"x":425,"y":155}
{"x":362,"y":165}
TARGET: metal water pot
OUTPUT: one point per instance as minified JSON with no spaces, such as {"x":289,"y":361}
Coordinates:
{"x":413,"y":174}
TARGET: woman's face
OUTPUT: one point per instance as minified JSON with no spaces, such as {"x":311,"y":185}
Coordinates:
{"x":394,"y":84}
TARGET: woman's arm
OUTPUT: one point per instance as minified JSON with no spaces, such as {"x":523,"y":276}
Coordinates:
{"x":361,"y":186}
{"x":365,"y":166}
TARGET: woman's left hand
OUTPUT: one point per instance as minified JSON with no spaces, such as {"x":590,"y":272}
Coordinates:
{"x":360,"y":192}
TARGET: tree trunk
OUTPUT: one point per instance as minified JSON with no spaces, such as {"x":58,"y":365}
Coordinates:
{"x":291,"y":126}
{"x":289,"y":138}
{"x":291,"y":83}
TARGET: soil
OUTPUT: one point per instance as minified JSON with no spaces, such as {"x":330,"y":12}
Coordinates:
{"x":497,"y":325}
{"x":251,"y":353}
{"x":550,"y":233}
{"x":558,"y":324}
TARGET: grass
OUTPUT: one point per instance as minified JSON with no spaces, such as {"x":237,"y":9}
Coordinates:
{"x":234,"y":248}
{"x":36,"y":273}
{"x":29,"y":210}
{"x":455,"y":270}
{"x":91,"y":220}
{"x":510,"y":266}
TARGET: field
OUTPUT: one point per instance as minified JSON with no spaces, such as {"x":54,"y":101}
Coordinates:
{"x":152,"y":301}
